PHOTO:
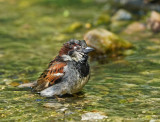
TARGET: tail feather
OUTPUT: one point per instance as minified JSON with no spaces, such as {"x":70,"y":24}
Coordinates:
{"x":28,"y":85}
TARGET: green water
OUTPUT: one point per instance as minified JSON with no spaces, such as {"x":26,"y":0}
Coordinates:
{"x":31,"y":33}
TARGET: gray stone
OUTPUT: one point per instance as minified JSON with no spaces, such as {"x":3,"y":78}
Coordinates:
{"x":122,"y":15}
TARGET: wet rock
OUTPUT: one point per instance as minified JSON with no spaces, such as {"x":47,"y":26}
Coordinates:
{"x":105,"y":42}
{"x":122,"y":15}
{"x":73,"y":27}
{"x":53,"y":105}
{"x":154,"y":21}
{"x":63,"y":109}
{"x":93,"y":116}
{"x":135,"y":27}
{"x":102,"y":19}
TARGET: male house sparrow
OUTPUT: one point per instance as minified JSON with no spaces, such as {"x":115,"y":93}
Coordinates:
{"x":67,"y":73}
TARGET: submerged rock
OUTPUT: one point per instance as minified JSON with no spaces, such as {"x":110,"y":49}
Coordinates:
{"x":135,"y":27}
{"x":154,"y":21}
{"x":122,"y":15}
{"x":105,"y":42}
{"x":93,"y":116}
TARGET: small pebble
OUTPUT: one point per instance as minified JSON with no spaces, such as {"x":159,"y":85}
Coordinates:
{"x":92,"y":116}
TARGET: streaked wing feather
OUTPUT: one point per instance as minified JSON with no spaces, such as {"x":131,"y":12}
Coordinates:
{"x":50,"y":76}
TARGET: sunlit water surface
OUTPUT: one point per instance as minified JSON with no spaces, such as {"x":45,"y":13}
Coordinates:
{"x":31,"y":35}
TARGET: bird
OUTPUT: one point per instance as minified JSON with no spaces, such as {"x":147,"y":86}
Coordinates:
{"x":67,"y":73}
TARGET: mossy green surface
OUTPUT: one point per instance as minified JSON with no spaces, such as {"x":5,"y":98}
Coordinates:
{"x":32,"y":32}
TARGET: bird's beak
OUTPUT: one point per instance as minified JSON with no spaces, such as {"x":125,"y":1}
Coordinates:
{"x":88,"y":49}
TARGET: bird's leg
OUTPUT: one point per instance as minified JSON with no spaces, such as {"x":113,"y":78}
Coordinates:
{"x":59,"y":99}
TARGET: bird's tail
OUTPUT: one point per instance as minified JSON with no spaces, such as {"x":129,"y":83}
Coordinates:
{"x":28,"y":85}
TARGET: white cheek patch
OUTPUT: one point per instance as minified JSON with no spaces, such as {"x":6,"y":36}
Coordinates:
{"x":66,"y":58}
{"x":58,"y":74}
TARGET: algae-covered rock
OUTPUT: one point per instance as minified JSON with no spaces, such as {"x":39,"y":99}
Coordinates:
{"x":105,"y":41}
{"x":102,"y":19}
{"x":154,"y":21}
{"x":74,"y":26}
{"x":135,"y":27}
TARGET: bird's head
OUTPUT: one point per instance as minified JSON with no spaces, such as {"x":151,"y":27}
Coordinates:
{"x":75,"y":50}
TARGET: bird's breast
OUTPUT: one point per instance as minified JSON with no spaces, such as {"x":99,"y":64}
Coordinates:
{"x":76,"y":76}
{"x":80,"y":84}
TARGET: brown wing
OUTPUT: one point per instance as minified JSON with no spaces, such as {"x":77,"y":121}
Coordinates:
{"x":51,"y":76}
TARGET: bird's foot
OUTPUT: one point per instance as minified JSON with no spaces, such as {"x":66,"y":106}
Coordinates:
{"x":60,"y":99}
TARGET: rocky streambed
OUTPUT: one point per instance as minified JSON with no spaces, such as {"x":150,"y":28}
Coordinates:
{"x":123,"y":86}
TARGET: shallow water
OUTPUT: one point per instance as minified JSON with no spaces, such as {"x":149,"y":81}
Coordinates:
{"x":31,"y":33}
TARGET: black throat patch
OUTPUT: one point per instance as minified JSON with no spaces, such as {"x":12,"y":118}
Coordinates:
{"x":83,"y":68}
